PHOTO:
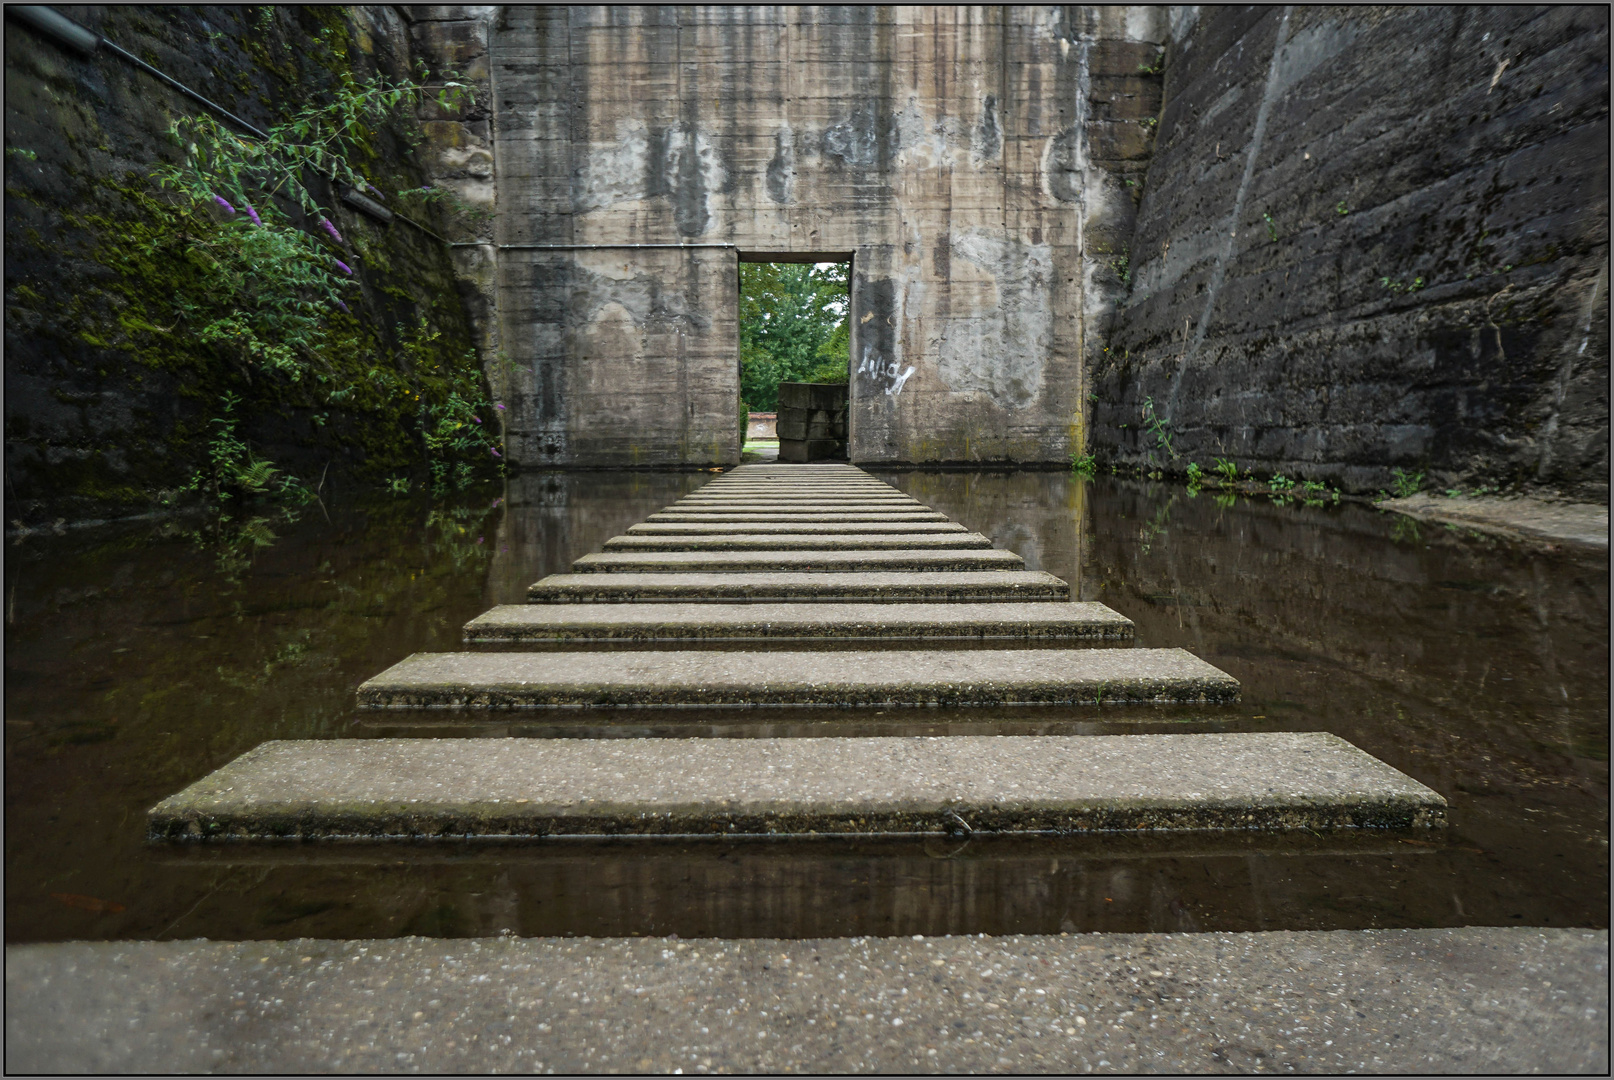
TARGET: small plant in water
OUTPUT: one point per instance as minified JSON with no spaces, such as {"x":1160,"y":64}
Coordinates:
{"x":1196,"y":475}
{"x":1085,"y":464}
{"x":1160,"y":429}
{"x":1313,"y":493}
{"x":1226,"y":469}
{"x":1406,"y":483}
{"x":1282,"y":488}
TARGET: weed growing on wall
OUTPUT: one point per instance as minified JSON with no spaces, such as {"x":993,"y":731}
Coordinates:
{"x":1406,"y":483}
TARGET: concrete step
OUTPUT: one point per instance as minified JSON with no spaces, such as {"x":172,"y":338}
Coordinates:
{"x":906,"y":677}
{"x":454,"y":788}
{"x":794,"y":497}
{"x":787,"y":622}
{"x":824,"y":517}
{"x":785,"y":509}
{"x":972,"y":585}
{"x":806,"y":528}
{"x":799,"y":542}
{"x":908,"y":560}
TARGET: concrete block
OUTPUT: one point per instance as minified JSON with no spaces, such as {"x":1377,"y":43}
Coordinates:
{"x":815,"y":561}
{"x":511,"y":623}
{"x":819,"y":517}
{"x":800,"y":542}
{"x":827,"y":396}
{"x":972,"y":585}
{"x":806,"y":528}
{"x":454,"y":788}
{"x":891,"y":678}
{"x":809,"y":449}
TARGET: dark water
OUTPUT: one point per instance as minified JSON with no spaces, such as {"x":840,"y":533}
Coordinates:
{"x":139,"y":660}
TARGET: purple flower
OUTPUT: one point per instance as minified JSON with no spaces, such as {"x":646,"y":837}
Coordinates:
{"x":325,"y":223}
{"x":499,"y":407}
{"x":342,"y":266}
{"x":253,"y":214}
{"x":228,"y":209}
{"x":476,"y":419}
{"x":478,"y":539}
{"x":343,"y":306}
{"x":495,"y":452}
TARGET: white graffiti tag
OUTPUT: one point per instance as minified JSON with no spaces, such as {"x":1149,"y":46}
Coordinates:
{"x":893,"y":371}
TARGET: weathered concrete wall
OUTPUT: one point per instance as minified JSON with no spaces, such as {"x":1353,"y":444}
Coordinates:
{"x":960,"y":154}
{"x":1374,"y":238}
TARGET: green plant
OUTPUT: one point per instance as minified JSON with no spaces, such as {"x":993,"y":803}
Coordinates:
{"x":1341,"y":209}
{"x":1281,"y":487}
{"x":1272,"y":228}
{"x":1085,"y":464}
{"x":1226,"y":469}
{"x":398,"y":485}
{"x":234,"y":471}
{"x":1122,"y":267}
{"x":1148,"y":123}
{"x":1401,"y":286}
{"x":1196,"y":475}
{"x":1406,"y":483}
{"x":1160,"y":429}
{"x":1313,"y":493}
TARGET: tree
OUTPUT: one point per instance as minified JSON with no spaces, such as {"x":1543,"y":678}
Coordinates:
{"x":790,"y":314}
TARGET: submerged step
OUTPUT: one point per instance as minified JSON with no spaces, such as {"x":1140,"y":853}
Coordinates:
{"x":796,"y":541}
{"x":455,"y":788}
{"x":907,"y":677}
{"x":629,"y":562}
{"x":786,"y":622}
{"x":968,"y":585}
{"x":805,"y":528}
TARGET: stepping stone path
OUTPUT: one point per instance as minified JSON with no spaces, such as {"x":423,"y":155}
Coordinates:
{"x":764,"y":560}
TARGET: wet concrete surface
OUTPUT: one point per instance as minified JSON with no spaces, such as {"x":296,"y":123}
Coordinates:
{"x":1473,"y":1000}
{"x":952,"y":786}
{"x":1531,"y":519}
{"x":140,"y":658}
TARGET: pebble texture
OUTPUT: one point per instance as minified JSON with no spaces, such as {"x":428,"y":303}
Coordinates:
{"x":674,"y":622}
{"x":907,"y":677}
{"x":983,"y":585}
{"x":798,"y":541}
{"x":833,"y":561}
{"x":372,"y":788}
{"x":1470,"y":1000}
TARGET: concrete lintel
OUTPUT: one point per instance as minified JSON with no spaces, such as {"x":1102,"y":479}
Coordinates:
{"x":784,"y":622}
{"x":969,"y":585}
{"x":849,"y":679}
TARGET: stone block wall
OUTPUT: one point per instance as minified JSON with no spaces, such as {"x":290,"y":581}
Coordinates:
{"x":812,"y":421}
{"x":1373,"y":238}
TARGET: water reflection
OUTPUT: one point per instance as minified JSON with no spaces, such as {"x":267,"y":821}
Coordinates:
{"x":138,"y":659}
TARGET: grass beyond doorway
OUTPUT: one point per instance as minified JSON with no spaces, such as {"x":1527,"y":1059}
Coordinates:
{"x":793,"y":327}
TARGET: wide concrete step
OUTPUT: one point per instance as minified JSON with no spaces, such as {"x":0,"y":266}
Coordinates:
{"x":799,"y":542}
{"x":805,"y":528}
{"x":452,"y":788}
{"x":787,"y":622}
{"x":795,"y":494}
{"x":969,"y":585}
{"x":784,"y":510}
{"x":907,"y":560}
{"x":906,"y":677}
{"x":809,"y":504}
{"x":794,"y":516}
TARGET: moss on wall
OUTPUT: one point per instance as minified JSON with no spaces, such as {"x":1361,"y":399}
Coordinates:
{"x":110,"y":394}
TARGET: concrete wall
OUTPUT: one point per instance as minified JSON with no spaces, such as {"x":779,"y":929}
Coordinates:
{"x":965,"y":156}
{"x":1374,"y":238}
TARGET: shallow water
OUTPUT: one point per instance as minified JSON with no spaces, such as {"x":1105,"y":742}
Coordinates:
{"x":140,"y":658}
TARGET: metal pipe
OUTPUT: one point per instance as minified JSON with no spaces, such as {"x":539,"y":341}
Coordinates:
{"x":59,"y":28}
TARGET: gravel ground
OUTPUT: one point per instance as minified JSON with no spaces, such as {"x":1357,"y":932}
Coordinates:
{"x":1466,"y":1000}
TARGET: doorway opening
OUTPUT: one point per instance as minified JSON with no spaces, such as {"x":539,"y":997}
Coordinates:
{"x":795,"y":352}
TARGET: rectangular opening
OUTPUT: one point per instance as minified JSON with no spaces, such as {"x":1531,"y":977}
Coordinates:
{"x":795,"y":355}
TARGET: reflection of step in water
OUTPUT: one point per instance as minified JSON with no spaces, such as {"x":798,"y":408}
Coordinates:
{"x":782,"y":553}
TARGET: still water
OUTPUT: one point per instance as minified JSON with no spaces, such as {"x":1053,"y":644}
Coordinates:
{"x":140,"y":658}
